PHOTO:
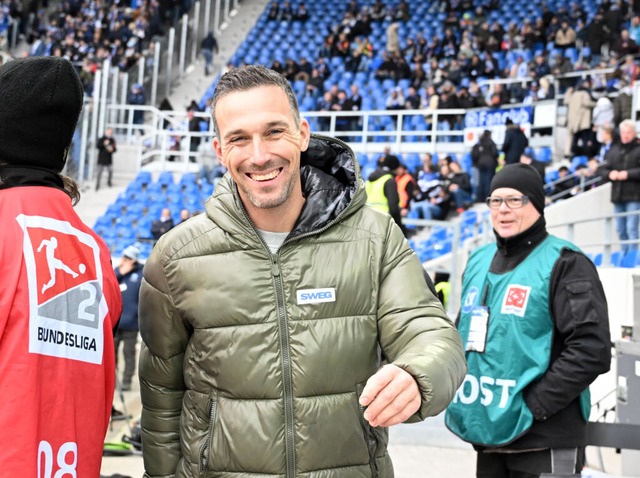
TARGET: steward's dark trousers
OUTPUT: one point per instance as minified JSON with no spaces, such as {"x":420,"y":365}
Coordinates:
{"x":527,"y":464}
{"x":129,"y":339}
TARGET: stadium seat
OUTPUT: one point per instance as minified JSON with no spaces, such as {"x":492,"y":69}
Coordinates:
{"x":630,"y":259}
{"x":544,"y":154}
{"x":578,"y":161}
{"x":616,"y":258}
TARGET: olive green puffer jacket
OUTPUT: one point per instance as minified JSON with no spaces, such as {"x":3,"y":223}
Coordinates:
{"x":247,"y":370}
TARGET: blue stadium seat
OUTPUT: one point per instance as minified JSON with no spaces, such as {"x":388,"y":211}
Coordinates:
{"x":551,"y":176}
{"x":616,"y":258}
{"x":630,"y":259}
{"x":544,"y":154}
{"x":578,"y":161}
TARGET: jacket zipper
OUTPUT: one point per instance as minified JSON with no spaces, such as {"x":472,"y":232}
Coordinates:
{"x":369,"y":438}
{"x":282,"y":319}
{"x":205,"y":451}
{"x":286,"y":370}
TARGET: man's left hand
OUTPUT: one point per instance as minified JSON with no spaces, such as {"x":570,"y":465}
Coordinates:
{"x":391,"y":396}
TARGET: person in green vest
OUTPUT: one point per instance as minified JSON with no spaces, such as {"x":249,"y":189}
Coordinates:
{"x":535,"y":327}
{"x":382,"y":190}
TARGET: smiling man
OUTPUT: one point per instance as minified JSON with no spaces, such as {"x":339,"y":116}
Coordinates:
{"x":535,"y":328}
{"x":266,"y":319}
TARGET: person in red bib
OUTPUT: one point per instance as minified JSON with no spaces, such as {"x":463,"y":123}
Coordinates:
{"x":59,"y":298}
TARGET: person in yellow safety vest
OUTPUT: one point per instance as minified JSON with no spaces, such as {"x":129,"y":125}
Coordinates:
{"x":382,"y":190}
{"x":443,"y":288}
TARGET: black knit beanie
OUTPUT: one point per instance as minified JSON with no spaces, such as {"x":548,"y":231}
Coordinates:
{"x":523,"y":178}
{"x":40,"y":102}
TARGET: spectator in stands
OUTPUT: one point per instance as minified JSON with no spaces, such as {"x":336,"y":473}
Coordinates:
{"x":412,"y":100}
{"x":458,"y":185}
{"x":579,"y":103}
{"x":546,"y":90}
{"x":163,"y":224}
{"x":563,"y":186}
{"x":602,"y":113}
{"x":565,"y":37}
{"x":627,"y":72}
{"x":528,"y":157}
{"x":622,"y":104}
{"x":285,"y":13}
{"x":448,"y":100}
{"x":208,"y":46}
{"x":434,"y":201}
{"x":624,"y":45}
{"x":274,"y":11}
{"x":193,"y":126}
{"x":403,"y":11}
{"x":475,"y":95}
{"x":325,"y":104}
{"x":484,"y":156}
{"x":515,"y":142}
{"x":395,"y":100}
{"x":529,"y":276}
{"x":605,"y":138}
{"x":184,"y":215}
{"x":596,"y":35}
{"x":137,"y":97}
{"x":614,"y":19}
{"x":106,"y":145}
{"x":361,"y":55}
{"x":622,"y":168}
{"x":541,"y":66}
{"x":129,"y":275}
{"x":426,"y":172}
{"x":301,"y":13}
{"x":386,"y":69}
{"x":378,"y":11}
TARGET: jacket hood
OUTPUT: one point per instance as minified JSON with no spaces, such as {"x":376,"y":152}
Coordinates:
{"x":331,"y":184}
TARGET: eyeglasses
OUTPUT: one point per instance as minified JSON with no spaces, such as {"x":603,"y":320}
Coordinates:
{"x":512,"y":202}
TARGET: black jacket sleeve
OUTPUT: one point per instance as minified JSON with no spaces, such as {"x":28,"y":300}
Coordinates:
{"x":581,"y":348}
{"x":391,"y":193}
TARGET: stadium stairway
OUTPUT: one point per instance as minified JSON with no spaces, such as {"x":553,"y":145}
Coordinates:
{"x":125,"y":167}
{"x":194,"y":83}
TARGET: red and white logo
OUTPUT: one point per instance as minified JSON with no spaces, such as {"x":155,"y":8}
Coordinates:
{"x":515,"y":300}
{"x":66,"y":302}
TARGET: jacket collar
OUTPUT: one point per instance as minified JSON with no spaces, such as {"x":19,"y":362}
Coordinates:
{"x":524,"y":242}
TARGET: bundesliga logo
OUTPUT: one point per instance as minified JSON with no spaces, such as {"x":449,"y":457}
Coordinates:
{"x":66,"y":304}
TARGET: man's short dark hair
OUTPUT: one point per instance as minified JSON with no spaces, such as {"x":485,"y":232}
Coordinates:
{"x":248,"y":77}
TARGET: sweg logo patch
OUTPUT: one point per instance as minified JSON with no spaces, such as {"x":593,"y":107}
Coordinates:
{"x":66,"y":304}
{"x":316,"y":296}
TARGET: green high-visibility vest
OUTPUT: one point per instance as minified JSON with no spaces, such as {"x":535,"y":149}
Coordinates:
{"x":489,"y":408}
{"x":375,"y":193}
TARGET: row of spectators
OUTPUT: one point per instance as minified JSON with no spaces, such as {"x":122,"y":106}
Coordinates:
{"x":89,"y":32}
{"x":473,"y":48}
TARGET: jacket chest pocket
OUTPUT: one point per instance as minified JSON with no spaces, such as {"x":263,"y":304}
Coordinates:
{"x":205,"y":451}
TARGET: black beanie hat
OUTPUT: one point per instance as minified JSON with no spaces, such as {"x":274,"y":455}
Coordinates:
{"x":525,"y":179}
{"x":40,"y":102}
{"x":391,"y":162}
